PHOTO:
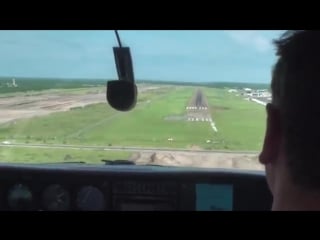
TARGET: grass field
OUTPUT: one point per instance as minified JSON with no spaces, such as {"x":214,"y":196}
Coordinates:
{"x":31,"y":155}
{"x":241,"y":123}
{"x":100,"y":125}
{"x":240,"y":126}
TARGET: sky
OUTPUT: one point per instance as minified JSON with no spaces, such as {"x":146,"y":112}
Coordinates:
{"x":187,"y":56}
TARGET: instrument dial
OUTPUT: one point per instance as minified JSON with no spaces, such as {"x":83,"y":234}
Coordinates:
{"x":90,"y":198}
{"x":20,"y":198}
{"x":56,"y":198}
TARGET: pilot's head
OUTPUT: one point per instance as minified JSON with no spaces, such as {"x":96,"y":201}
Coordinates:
{"x":291,"y":151}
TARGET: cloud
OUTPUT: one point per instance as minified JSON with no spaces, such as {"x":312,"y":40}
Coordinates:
{"x":255,"y":39}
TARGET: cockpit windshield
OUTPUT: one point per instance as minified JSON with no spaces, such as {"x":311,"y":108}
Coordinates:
{"x":200,"y":102}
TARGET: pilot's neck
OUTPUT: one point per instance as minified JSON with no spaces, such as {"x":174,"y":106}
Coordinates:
{"x":288,"y":197}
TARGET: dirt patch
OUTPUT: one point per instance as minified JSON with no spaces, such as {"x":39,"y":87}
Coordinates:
{"x":201,"y":160}
{"x":194,"y":147}
{"x":31,"y":106}
{"x":43,"y":103}
{"x":135,"y":156}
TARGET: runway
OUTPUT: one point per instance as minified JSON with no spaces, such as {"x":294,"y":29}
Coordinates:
{"x":198,"y":109}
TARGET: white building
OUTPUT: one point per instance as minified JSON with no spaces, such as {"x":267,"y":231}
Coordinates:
{"x":13,"y":83}
{"x":232,"y":91}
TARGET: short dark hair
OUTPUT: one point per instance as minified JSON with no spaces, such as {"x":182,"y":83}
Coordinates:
{"x":296,"y":92}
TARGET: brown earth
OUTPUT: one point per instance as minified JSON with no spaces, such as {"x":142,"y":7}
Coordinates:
{"x":201,"y":160}
{"x":46,"y":102}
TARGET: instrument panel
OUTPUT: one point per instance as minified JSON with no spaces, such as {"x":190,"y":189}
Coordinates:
{"x":129,"y":188}
{"x":54,"y":197}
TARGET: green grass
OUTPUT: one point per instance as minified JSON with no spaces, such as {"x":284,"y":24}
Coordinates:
{"x":147,"y":126}
{"x":55,"y":128}
{"x":240,"y":123}
{"x":100,"y":125}
{"x":41,"y":155}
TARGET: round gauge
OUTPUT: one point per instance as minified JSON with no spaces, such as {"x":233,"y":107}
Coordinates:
{"x":20,"y":198}
{"x":90,"y":198}
{"x":56,"y":198}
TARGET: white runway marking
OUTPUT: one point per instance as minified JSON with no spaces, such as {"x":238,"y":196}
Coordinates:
{"x":258,"y":101}
{"x":214,"y":126}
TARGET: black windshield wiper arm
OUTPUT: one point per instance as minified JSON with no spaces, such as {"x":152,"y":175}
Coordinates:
{"x":118,"y":162}
{"x":75,"y":162}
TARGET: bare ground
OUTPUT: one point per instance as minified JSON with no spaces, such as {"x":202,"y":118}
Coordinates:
{"x":201,"y":160}
{"x":30,"y":106}
{"x":44,"y":103}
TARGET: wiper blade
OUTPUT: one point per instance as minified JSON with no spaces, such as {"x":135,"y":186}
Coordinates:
{"x":118,"y":162}
{"x":154,"y":165}
{"x":75,"y":162}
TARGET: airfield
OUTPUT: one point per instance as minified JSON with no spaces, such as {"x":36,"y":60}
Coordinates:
{"x":191,"y":126}
{"x":42,"y":103}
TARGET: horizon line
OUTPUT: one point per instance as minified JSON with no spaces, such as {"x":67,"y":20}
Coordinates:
{"x":137,"y":80}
